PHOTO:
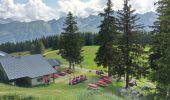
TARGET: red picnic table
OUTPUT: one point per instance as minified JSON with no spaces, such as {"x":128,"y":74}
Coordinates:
{"x":55,"y":75}
{"x":107,"y":80}
{"x":93,"y":86}
{"x":62,"y":73}
{"x":105,"y":76}
{"x":102,"y":82}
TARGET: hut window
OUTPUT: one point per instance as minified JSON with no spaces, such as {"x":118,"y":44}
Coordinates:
{"x":40,"y":79}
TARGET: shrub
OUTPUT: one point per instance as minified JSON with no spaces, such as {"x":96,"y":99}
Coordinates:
{"x":16,"y":97}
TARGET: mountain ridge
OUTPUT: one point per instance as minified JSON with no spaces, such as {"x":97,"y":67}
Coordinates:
{"x":15,"y":31}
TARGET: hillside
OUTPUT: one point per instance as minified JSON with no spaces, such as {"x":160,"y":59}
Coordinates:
{"x":60,"y":90}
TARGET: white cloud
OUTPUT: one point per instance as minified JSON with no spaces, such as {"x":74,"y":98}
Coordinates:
{"x":38,"y":10}
{"x":80,"y":8}
{"x":32,"y":10}
{"x":143,"y":6}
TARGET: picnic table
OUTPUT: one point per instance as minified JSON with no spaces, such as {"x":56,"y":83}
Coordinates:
{"x":102,"y":83}
{"x":107,"y":80}
{"x":62,"y":73}
{"x":93,"y":86}
{"x":55,"y":75}
{"x":105,"y":76}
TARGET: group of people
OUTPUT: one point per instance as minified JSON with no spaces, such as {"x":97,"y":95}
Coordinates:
{"x":69,"y":70}
{"x":77,"y":79}
{"x":99,"y":72}
{"x":45,"y":79}
{"x":132,"y":83}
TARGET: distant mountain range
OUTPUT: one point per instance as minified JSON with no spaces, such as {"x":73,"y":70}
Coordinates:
{"x":15,"y":31}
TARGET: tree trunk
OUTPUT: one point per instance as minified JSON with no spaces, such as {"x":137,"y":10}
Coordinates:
{"x":119,"y":77}
{"x":127,"y":65}
{"x":70,"y":64}
{"x":124,"y":76}
{"x":127,"y":51}
{"x":53,"y":78}
{"x":127,"y":80}
{"x":73,"y":67}
{"x":109,"y":72}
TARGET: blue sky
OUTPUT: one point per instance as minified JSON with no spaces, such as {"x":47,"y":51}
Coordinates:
{"x":51,"y":3}
{"x":20,"y":1}
{"x":28,"y":10}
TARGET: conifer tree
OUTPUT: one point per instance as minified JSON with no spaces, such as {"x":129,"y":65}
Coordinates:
{"x":32,"y":49}
{"x":55,"y":43}
{"x":107,"y":33}
{"x":40,"y":47}
{"x":70,"y":42}
{"x":160,"y":56}
{"x":37,"y":48}
{"x":131,"y":51}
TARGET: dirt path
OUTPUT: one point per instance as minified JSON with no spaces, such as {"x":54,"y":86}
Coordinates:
{"x":81,"y":69}
{"x":66,"y":78}
{"x":62,"y":79}
{"x":49,"y":52}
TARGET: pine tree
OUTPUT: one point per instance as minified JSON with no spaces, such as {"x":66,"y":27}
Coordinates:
{"x":37,"y":48}
{"x":70,"y":42}
{"x":107,"y":33}
{"x":88,"y":39}
{"x":131,"y":51}
{"x":32,"y":49}
{"x":55,"y":43}
{"x":40,"y":47}
{"x":159,"y":59}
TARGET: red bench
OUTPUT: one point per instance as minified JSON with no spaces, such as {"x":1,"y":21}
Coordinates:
{"x":62,"y":73}
{"x":105,"y":76}
{"x":107,"y":80}
{"x":102,"y":83}
{"x":93,"y":86}
{"x":55,"y":75}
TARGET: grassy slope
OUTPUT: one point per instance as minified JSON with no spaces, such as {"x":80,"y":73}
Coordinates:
{"x":62,"y":91}
{"x":89,"y":53}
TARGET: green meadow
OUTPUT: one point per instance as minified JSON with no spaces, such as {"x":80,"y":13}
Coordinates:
{"x":60,"y":90}
{"x":88,"y":53}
